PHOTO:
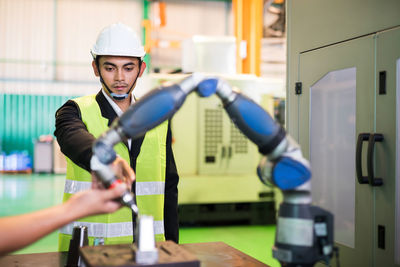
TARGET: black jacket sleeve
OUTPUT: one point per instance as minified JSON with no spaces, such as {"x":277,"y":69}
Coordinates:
{"x":72,"y":135}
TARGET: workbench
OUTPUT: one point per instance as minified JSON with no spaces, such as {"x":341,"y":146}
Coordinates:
{"x":210,"y":254}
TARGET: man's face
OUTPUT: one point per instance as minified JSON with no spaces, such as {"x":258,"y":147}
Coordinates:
{"x":118,"y":73}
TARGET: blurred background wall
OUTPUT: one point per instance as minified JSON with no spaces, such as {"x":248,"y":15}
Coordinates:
{"x":45,"y":52}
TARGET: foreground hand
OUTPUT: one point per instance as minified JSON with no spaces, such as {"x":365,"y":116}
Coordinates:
{"x":96,"y":201}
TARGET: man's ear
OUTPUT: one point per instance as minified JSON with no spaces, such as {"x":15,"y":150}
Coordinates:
{"x":95,"y":69}
{"x":142,"y":68}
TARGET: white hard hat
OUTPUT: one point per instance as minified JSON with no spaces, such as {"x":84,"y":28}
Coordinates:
{"x":118,"y":40}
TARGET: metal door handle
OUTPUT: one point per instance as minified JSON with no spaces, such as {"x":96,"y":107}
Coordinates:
{"x":373,"y":181}
{"x":361,"y":138}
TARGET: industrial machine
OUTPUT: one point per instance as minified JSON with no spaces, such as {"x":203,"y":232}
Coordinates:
{"x":304,"y":232}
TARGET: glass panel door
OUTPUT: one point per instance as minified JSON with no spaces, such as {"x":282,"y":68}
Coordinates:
{"x":332,"y":144}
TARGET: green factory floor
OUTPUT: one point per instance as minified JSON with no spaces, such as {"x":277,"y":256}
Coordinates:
{"x":24,"y":193}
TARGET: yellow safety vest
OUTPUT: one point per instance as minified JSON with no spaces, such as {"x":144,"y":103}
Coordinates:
{"x":116,"y":228}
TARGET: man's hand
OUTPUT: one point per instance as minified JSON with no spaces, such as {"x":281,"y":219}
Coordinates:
{"x":124,"y":171}
{"x":121,"y":169}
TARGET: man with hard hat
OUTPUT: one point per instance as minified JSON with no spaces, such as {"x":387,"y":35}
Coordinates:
{"x":117,"y":61}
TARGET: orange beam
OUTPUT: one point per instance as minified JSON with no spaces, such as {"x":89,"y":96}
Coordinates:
{"x":163,"y":19}
{"x":238,"y":15}
{"x":148,"y":42}
{"x":248,"y":28}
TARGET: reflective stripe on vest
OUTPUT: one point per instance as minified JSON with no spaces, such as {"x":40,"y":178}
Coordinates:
{"x":150,"y":180}
{"x":73,"y":187}
{"x":107,"y":230}
{"x":142,"y":188}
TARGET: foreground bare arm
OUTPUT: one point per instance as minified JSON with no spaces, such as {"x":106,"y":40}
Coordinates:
{"x":19,"y":231}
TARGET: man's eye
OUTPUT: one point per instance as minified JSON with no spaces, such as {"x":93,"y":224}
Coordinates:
{"x":129,"y":69}
{"x":108,"y":69}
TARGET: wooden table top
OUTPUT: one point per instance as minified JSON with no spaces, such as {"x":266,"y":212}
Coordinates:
{"x":210,"y":254}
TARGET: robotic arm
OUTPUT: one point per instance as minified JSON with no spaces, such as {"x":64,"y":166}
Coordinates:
{"x":304,"y":232}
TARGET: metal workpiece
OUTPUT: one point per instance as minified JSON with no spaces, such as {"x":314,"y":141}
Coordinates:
{"x":190,"y":83}
{"x":146,"y":252}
